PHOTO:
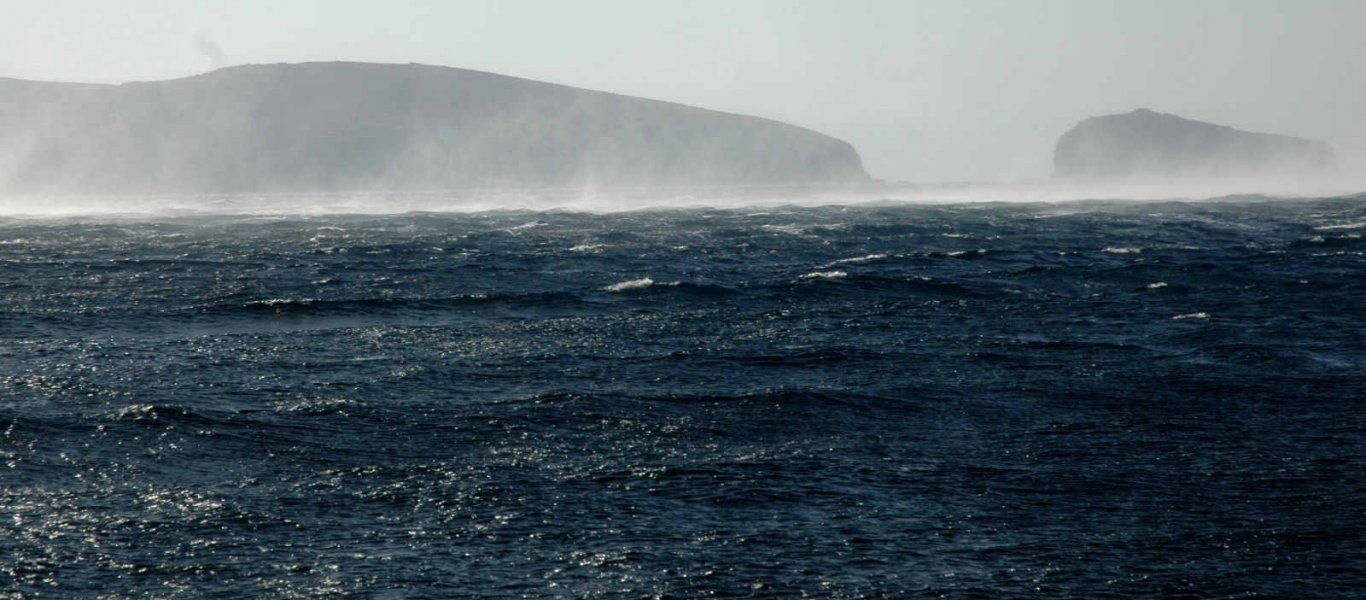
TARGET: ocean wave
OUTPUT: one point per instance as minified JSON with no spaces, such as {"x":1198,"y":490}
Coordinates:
{"x":316,"y":306}
{"x":651,"y":288}
{"x":317,"y":406}
{"x":919,"y":285}
{"x":633,"y":284}
{"x":790,"y":229}
{"x":280,"y":302}
{"x":817,"y":275}
{"x":157,"y":414}
{"x":814,"y":399}
{"x":804,"y":358}
{"x":854,"y":260}
{"x":1354,"y":225}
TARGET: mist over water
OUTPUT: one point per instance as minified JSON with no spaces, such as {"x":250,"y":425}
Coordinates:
{"x":606,"y":200}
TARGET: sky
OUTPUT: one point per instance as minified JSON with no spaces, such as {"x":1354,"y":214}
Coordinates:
{"x":928,"y":91}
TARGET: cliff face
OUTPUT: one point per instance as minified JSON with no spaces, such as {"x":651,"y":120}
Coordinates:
{"x":1147,"y":145}
{"x":357,"y":126}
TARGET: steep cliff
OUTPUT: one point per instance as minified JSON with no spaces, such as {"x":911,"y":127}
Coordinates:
{"x":358,"y":126}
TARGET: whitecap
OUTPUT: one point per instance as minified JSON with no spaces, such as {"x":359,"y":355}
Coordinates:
{"x":134,"y":411}
{"x":634,"y":284}
{"x":824,"y":275}
{"x":1123,"y":249}
{"x":1157,"y":285}
{"x":272,"y":302}
{"x":588,"y":248}
{"x":792,"y":229}
{"x":315,"y":405}
{"x":854,"y":260}
{"x":1195,"y":315}
{"x":1356,"y":225}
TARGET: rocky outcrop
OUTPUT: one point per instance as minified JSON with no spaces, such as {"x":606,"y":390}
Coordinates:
{"x":1146,"y":145}
{"x":357,"y":126}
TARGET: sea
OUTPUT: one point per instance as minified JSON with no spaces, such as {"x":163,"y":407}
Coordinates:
{"x":1090,"y":399}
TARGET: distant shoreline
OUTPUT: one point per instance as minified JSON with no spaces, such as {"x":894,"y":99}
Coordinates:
{"x":623,"y":199}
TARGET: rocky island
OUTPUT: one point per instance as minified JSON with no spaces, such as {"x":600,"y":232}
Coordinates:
{"x":1147,"y":145}
{"x":341,"y":126}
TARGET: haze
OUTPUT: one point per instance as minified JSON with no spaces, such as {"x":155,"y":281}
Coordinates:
{"x":927,"y":91}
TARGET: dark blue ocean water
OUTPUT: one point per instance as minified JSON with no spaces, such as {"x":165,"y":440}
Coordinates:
{"x":1086,"y":400}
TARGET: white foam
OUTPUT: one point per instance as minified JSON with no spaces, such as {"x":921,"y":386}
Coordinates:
{"x":1123,"y":249}
{"x":633,"y":284}
{"x":825,"y":275}
{"x":854,"y":260}
{"x":1195,"y":315}
{"x":792,"y":229}
{"x":1157,"y":285}
{"x":315,"y":404}
{"x":1357,"y":225}
{"x":273,"y":302}
{"x":588,"y":248}
{"x":134,"y":411}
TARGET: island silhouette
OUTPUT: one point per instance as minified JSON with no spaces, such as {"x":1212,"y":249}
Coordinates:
{"x":1144,"y":145}
{"x":345,"y":126}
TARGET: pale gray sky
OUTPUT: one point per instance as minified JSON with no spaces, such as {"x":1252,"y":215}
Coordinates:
{"x":926,"y":90}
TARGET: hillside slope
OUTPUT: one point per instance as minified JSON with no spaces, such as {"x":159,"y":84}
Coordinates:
{"x":1148,"y":145}
{"x":359,"y":126}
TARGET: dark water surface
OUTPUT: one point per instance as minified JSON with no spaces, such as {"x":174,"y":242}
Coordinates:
{"x":968,"y":401}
